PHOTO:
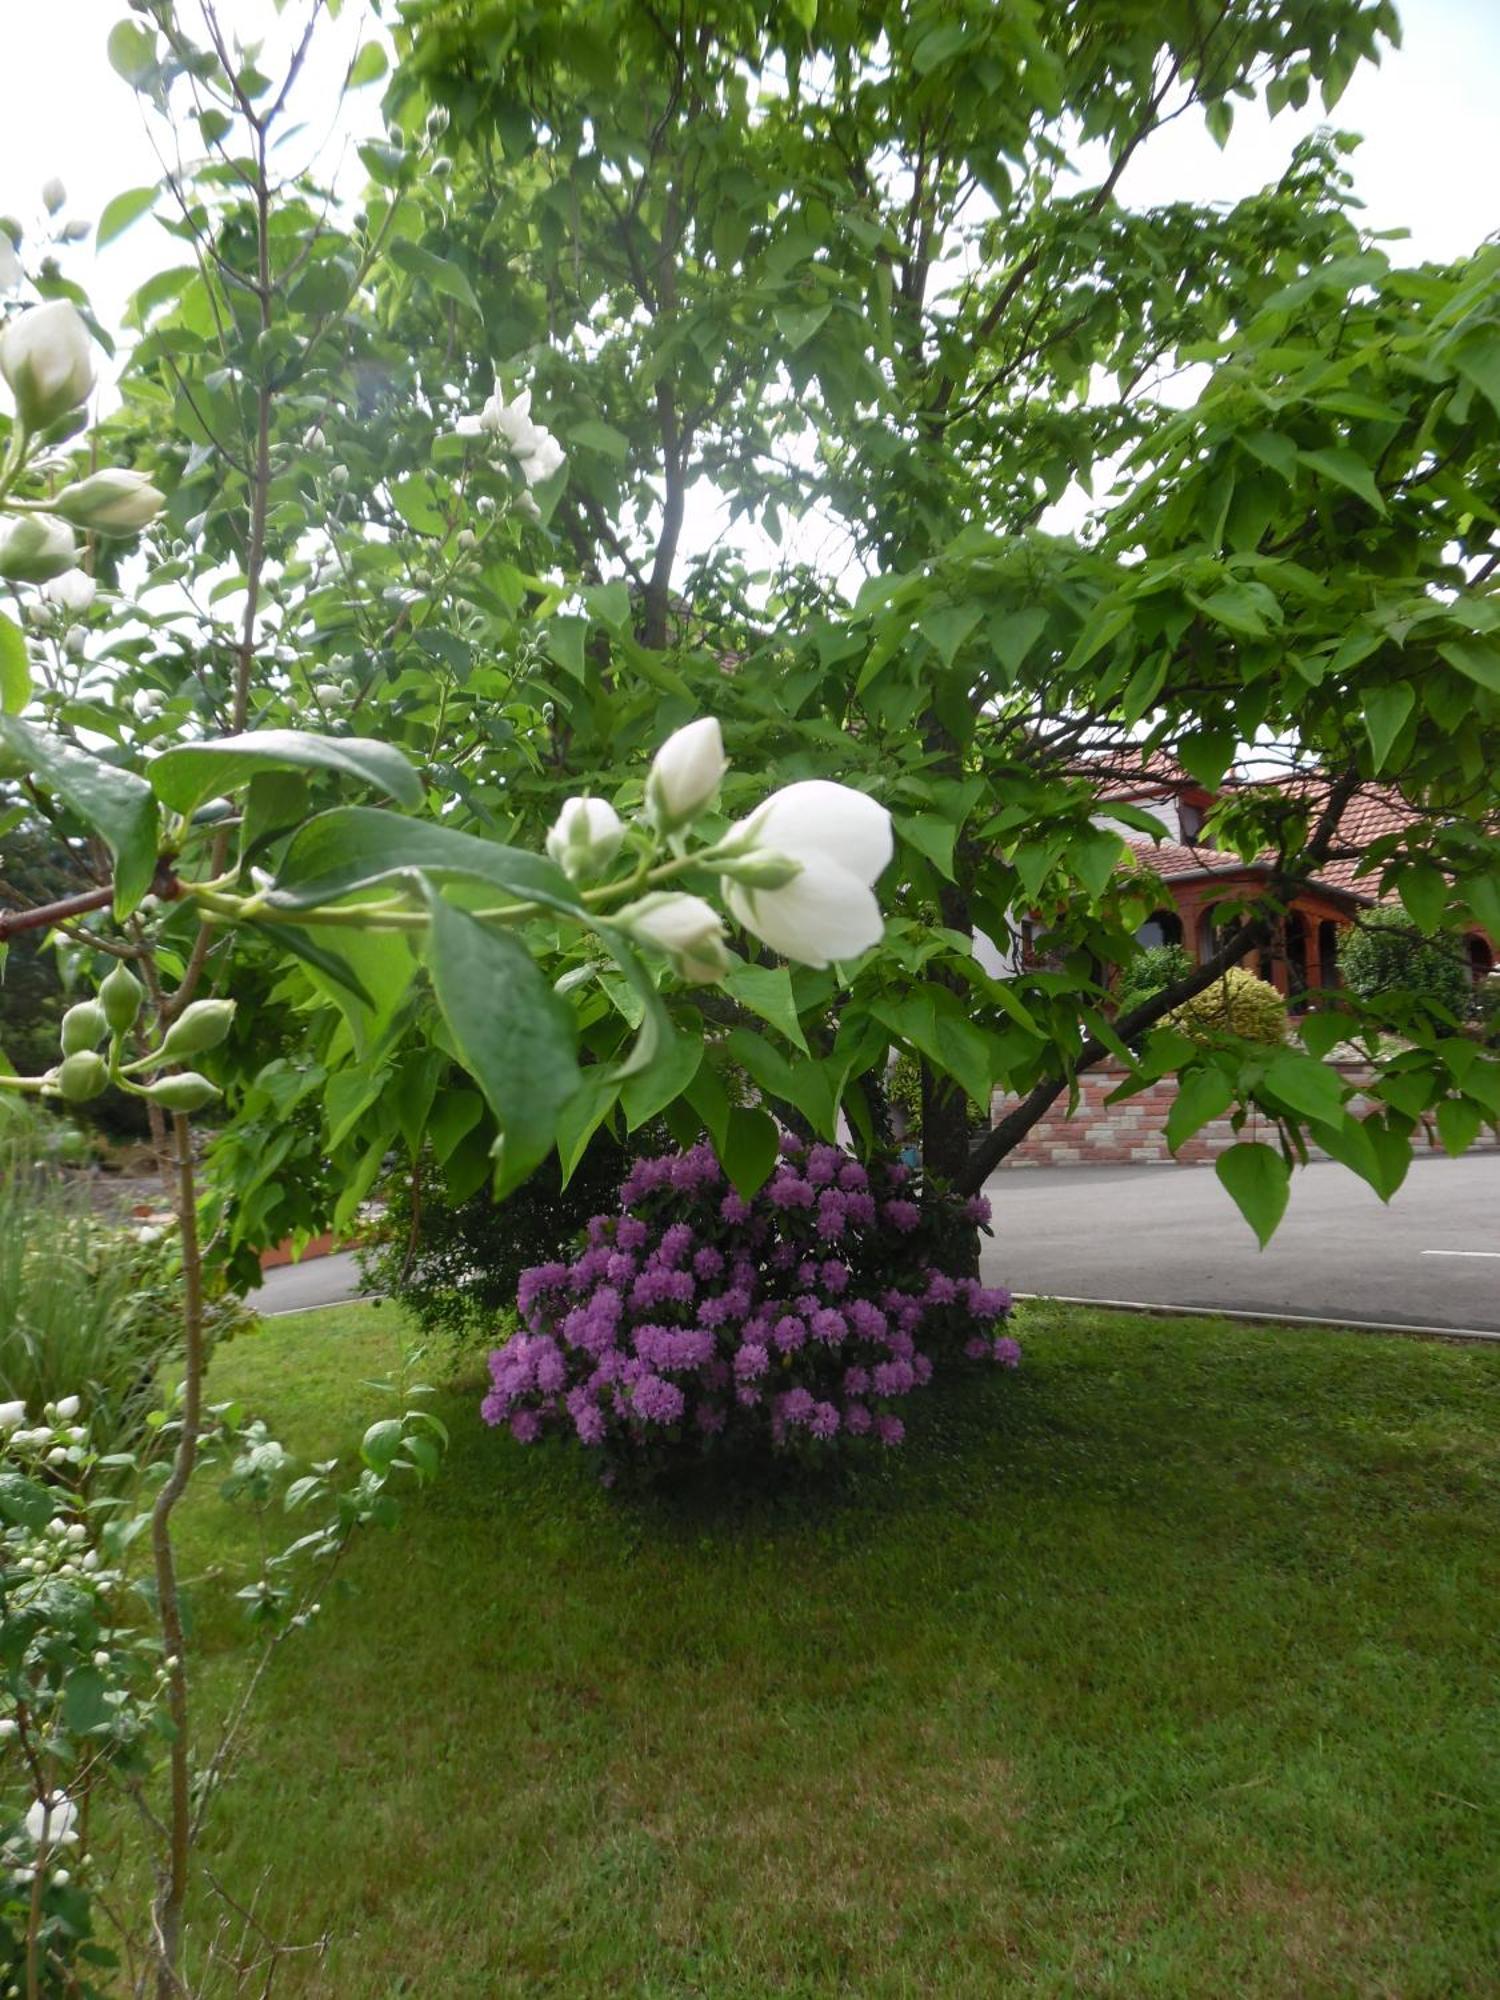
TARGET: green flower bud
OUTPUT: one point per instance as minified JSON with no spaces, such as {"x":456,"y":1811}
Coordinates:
{"x":120,"y":996}
{"x":36,"y":547}
{"x":83,"y":1027}
{"x":762,"y":870}
{"x":201,"y":1026}
{"x":187,"y":1091}
{"x":115,"y":502}
{"x":47,"y":358}
{"x":82,"y":1075}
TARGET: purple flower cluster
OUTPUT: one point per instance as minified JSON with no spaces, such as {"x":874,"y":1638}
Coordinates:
{"x":803,"y":1316}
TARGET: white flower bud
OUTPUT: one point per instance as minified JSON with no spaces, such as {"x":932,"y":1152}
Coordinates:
{"x":147,"y":703}
{"x":8,"y":1727}
{"x":54,"y":194}
{"x":101,"y":1659}
{"x":586,"y":838}
{"x":115,"y":502}
{"x":57,"y":1456}
{"x":35,"y":548}
{"x":77,"y":1532}
{"x":73,"y":592}
{"x":12,"y":1414}
{"x":46,"y":357}
{"x":688,"y":930}
{"x":68,"y":1408}
{"x":685,"y":774}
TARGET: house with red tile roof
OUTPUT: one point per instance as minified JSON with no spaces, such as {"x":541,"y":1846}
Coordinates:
{"x":1198,"y":879}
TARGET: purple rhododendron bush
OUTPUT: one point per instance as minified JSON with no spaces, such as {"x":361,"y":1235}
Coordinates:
{"x":801,"y":1319}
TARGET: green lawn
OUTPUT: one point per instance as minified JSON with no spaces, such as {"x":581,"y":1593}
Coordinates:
{"x":1167,"y":1667}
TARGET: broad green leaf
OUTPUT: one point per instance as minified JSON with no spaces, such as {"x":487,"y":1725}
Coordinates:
{"x":453,"y":1116}
{"x":1423,"y":889}
{"x":610,"y":604}
{"x":1346,"y":468}
{"x":381,"y":1443}
{"x":668,"y":1075}
{"x":581,"y":1117}
{"x":354,"y":848}
{"x":767,"y":991}
{"x":15,"y":668}
{"x":1477,"y":357}
{"x":274,"y":803}
{"x":947,"y":626}
{"x":798,"y":324}
{"x":117,"y":804}
{"x":1458,"y":1122}
{"x":438,"y":272}
{"x":512,"y":1033}
{"x":932,"y":1024}
{"x":1259,"y":1181}
{"x":1308,"y":1086}
{"x":122,"y":211}
{"x":1202,"y":1095}
{"x":184,"y":777}
{"x":1385,"y":712}
{"x":932,"y":835}
{"x":565,"y":641}
{"x":1207,"y":755}
{"x":748,"y":1154}
{"x":1477,"y":659}
{"x":132,"y":53}
{"x":369,"y":66}
{"x":592,"y":435}
{"x":1323,"y":1031}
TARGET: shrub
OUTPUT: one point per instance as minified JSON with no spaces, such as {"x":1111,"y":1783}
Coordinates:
{"x":1484,"y":1012}
{"x":455,"y":1265}
{"x":791,"y":1320}
{"x":1150,"y":972}
{"x":1236,"y":1004}
{"x":1384,"y":954}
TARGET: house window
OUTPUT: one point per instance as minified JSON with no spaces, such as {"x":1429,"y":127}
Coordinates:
{"x":1161,"y":927}
{"x":1189,"y":820}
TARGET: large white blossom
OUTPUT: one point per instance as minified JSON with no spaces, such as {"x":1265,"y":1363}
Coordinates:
{"x":840,"y":841}
{"x":53,"y":1821}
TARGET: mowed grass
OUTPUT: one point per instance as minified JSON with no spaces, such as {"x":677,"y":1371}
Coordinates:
{"x":1165,"y":1667}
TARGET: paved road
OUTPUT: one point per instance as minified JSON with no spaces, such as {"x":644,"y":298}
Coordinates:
{"x":321,"y":1281}
{"x":1171,"y":1236}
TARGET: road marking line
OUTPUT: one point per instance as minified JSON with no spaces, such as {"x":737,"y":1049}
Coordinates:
{"x":1461,"y":1253}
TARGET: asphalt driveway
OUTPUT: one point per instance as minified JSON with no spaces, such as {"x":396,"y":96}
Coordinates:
{"x":1170,"y":1236}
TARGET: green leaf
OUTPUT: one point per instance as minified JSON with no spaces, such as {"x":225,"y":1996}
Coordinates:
{"x":565,"y":638}
{"x":184,"y":777}
{"x":1477,"y":660}
{"x":122,"y":211}
{"x":932,"y":835}
{"x":357,"y":847}
{"x":593,"y":435}
{"x":1259,"y":1181}
{"x":667,"y":1076}
{"x":767,"y":991}
{"x":512,"y":1033}
{"x":1323,"y":1031}
{"x":1423,"y":890}
{"x":610,"y":604}
{"x":436,"y":272}
{"x":83,"y":1704}
{"x":1218,"y":121}
{"x":15,"y":668}
{"x":1308,"y":1086}
{"x":1095,"y":857}
{"x":381,"y":1443}
{"x":1477,"y":358}
{"x":1346,"y":468}
{"x":1458,"y":1123}
{"x":798,"y":324}
{"x":452,"y":1118}
{"x":369,"y":66}
{"x":117,"y":804}
{"x":947,"y":626}
{"x":749,"y":1150}
{"x":132,"y":53}
{"x":1202,"y":1095}
{"x":934,"y":1026}
{"x":1207,"y":755}
{"x":274,"y":804}
{"x":1385,"y":713}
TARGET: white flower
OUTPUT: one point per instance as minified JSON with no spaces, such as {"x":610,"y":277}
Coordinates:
{"x":114,"y":502}
{"x":8,"y":1727}
{"x":46,"y":356}
{"x":68,"y":1408}
{"x":688,"y":930}
{"x":54,"y":194}
{"x":531,"y":444}
{"x":51,"y":1821}
{"x":147,"y":703}
{"x":685,"y":774}
{"x":826,"y":911}
{"x":75,"y":591}
{"x":585,"y":838}
{"x":10,"y":264}
{"x":11,"y":1414}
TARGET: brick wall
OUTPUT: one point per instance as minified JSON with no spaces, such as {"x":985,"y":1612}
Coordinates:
{"x":1131,"y":1132}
